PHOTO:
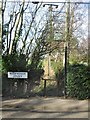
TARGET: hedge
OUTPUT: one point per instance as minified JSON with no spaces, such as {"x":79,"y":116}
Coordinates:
{"x":78,"y":82}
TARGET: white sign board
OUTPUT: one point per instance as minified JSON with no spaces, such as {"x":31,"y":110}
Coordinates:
{"x":17,"y":75}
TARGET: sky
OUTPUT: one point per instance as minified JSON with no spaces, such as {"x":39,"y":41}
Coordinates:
{"x":54,"y":0}
{"x":85,"y":25}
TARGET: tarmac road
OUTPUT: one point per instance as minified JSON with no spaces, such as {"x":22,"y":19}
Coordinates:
{"x":45,"y":108}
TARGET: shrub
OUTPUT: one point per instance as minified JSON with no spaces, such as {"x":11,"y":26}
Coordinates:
{"x":78,"y":83}
{"x":13,"y":62}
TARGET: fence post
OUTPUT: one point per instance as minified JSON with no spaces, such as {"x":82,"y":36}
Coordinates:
{"x":44,"y":87}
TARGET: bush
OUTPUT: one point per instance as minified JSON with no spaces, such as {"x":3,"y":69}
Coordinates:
{"x":78,"y":84}
{"x":14,"y":63}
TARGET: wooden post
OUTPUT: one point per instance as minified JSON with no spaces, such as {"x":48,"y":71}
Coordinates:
{"x":67,"y":42}
{"x":65,"y":80}
{"x":57,"y":87}
{"x":44,"y":87}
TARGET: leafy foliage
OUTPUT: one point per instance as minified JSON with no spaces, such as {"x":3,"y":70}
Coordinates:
{"x":14,"y":62}
{"x":57,"y":66}
{"x":35,"y":71}
{"x":78,"y":84}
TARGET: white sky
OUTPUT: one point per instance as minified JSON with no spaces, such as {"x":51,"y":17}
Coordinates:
{"x":54,"y":0}
{"x":84,"y":26}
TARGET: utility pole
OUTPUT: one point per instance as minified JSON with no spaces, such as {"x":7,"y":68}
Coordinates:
{"x":1,"y":24}
{"x":0,"y":27}
{"x":66,"y":45}
{"x":1,"y":54}
{"x":51,"y":37}
{"x":49,"y":64}
{"x":72,"y":22}
{"x":88,"y":34}
{"x":51,"y":34}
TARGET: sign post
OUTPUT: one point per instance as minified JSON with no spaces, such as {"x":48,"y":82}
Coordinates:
{"x":17,"y":75}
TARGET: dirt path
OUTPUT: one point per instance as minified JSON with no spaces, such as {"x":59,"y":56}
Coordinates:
{"x":38,"y":107}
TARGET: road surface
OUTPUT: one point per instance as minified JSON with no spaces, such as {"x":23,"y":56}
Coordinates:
{"x":41,"y":107}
